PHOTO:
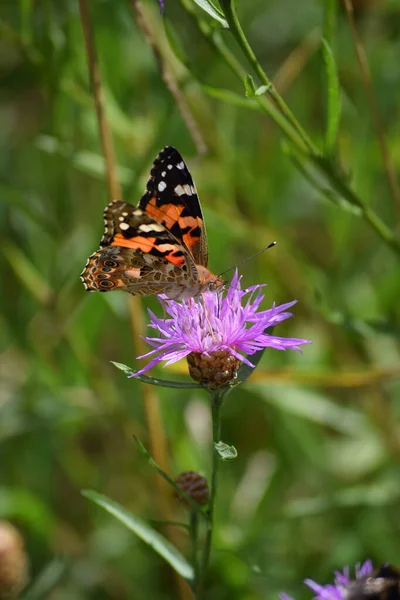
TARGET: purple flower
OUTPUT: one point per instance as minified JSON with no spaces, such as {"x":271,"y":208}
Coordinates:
{"x":162,"y":6}
{"x":220,"y":320}
{"x":335,"y":591}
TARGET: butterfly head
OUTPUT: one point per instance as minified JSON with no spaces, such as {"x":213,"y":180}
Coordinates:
{"x":208,"y":280}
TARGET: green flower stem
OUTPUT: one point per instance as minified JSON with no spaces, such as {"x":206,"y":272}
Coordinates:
{"x":216,"y":403}
{"x":235,"y":27}
{"x":194,"y":536}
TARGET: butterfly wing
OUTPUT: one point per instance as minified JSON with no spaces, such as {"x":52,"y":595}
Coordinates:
{"x":137,"y":254}
{"x":134,"y":272}
{"x":171,"y":199}
{"x":153,"y":248}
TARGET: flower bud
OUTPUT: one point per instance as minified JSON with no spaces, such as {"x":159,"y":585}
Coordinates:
{"x":214,"y":371}
{"x":13,"y":562}
{"x":194,"y":485}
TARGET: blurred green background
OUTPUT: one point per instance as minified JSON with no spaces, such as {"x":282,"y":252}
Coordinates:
{"x":316,"y":484}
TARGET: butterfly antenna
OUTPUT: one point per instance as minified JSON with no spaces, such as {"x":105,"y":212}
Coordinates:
{"x":248,"y":258}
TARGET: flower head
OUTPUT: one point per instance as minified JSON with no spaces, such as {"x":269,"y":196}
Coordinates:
{"x":225,"y":321}
{"x":335,"y":591}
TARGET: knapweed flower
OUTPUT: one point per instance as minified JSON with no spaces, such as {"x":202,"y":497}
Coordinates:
{"x":337,"y":590}
{"x":216,"y":331}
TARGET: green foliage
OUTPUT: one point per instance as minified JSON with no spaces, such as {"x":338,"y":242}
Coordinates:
{"x":151,"y":537}
{"x":315,"y":483}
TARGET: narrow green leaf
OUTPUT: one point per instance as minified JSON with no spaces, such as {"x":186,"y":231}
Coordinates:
{"x":333,"y":102}
{"x":160,"y":382}
{"x":249,"y":86}
{"x":226,"y":452}
{"x":146,"y":533}
{"x":166,"y":477}
{"x":232,"y":98}
{"x":212,"y":11}
{"x":316,"y":181}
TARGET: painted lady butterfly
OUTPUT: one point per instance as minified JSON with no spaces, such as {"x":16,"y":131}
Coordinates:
{"x":160,"y":245}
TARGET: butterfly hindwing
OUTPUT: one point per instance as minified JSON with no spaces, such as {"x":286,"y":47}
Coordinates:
{"x":129,"y":270}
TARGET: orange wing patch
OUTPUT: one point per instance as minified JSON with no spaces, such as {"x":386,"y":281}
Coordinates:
{"x":145,"y":244}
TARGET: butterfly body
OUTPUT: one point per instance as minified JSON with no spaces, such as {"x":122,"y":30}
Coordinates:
{"x":160,"y":245}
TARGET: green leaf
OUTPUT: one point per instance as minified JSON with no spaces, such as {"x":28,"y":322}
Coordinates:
{"x":249,"y":86}
{"x":146,"y":533}
{"x":212,"y":10}
{"x":226,"y":452}
{"x":160,"y":382}
{"x":333,"y":102}
{"x":193,"y":504}
{"x":231,"y":98}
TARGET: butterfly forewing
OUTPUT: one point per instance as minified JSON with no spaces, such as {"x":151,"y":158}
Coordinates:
{"x":171,"y":199}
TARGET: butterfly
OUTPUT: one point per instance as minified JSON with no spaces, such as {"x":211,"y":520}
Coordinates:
{"x":160,"y":245}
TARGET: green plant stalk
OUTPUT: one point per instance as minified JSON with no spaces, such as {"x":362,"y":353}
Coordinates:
{"x":330,"y":10}
{"x":216,"y":403}
{"x":334,"y":178}
{"x":194,"y":537}
{"x":368,"y":213}
{"x":325,"y":167}
{"x":236,"y":29}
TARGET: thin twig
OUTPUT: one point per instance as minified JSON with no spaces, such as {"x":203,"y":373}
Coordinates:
{"x":373,"y":106}
{"x":114,"y":189}
{"x":169,"y":79}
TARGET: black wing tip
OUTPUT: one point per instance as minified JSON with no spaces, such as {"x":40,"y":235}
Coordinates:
{"x":168,"y":152}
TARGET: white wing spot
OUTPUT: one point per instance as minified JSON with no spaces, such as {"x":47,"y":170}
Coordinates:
{"x":152,"y":227}
{"x":121,"y":218}
{"x":124,"y":214}
{"x":169,"y":167}
{"x":162,"y":186}
{"x":138,"y":212}
{"x":163,"y":174}
{"x":181,"y":165}
{"x":124,"y":226}
{"x":179,"y":190}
